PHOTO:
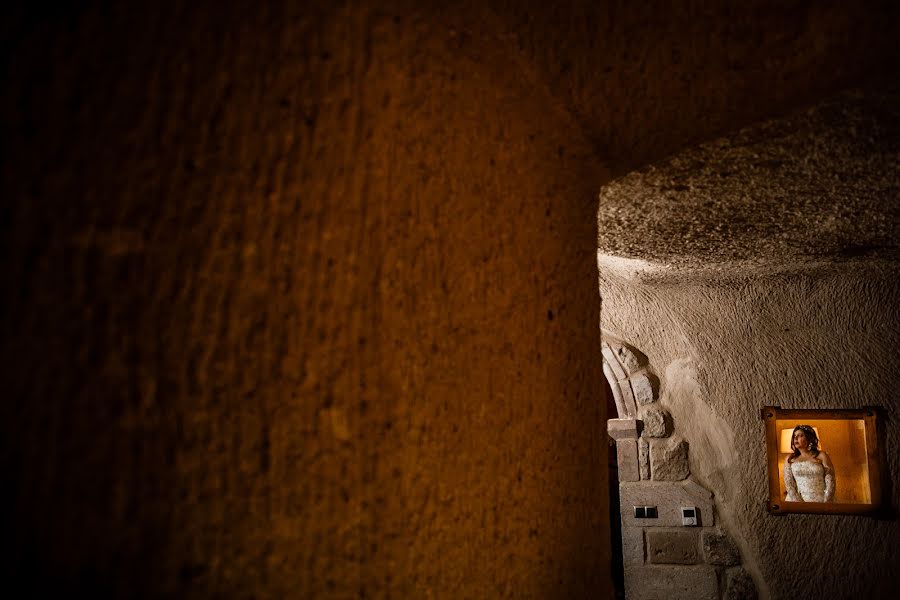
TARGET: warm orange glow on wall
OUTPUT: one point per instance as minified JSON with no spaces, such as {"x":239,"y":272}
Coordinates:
{"x":784,"y":445}
{"x":845,"y":442}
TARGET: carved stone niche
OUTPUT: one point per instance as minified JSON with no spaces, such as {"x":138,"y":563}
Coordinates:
{"x":844,"y":445}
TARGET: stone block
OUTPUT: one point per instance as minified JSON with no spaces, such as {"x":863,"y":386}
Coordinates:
{"x":719,"y":548}
{"x":642,"y":388}
{"x":627,"y":458}
{"x":671,"y":582}
{"x":673,"y":546}
{"x":628,"y":359}
{"x":669,"y":460}
{"x":632,"y":546}
{"x":624,"y":429}
{"x":668,"y":497}
{"x":739,"y":585}
{"x":656,"y":422}
{"x":644,"y":458}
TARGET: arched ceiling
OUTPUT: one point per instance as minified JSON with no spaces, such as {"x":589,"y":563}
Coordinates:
{"x":819,"y":187}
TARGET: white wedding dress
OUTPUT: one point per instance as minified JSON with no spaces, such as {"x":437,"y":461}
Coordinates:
{"x":808,"y":481}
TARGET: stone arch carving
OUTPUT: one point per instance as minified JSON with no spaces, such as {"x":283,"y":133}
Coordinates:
{"x":627,"y":371}
{"x":662,"y":556}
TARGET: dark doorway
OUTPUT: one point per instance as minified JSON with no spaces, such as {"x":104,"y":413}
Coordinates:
{"x":615,"y":515}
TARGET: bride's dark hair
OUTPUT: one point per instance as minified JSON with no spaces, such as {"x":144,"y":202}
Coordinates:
{"x":811,"y":438}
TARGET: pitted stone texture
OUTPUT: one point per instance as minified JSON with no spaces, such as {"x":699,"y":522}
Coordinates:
{"x":669,"y":460}
{"x":644,"y":458}
{"x":667,"y":582}
{"x":642,"y":387}
{"x":632,"y":546}
{"x":627,"y":458}
{"x":673,"y":546}
{"x":171,"y":373}
{"x":717,"y":331}
{"x":668,"y":497}
{"x":628,"y":359}
{"x":624,"y":429}
{"x":656,"y":422}
{"x":798,"y":189}
{"x":739,"y":585}
{"x":720,"y":549}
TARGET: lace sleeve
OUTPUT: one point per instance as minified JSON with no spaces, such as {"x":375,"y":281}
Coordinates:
{"x":829,"y":484}
{"x":790,"y":485}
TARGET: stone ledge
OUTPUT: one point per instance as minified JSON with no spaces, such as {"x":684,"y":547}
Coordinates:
{"x":624,"y":429}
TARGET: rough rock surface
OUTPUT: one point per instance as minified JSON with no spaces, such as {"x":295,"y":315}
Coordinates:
{"x":739,"y":585}
{"x":656,"y":422}
{"x":783,"y":288}
{"x":669,"y":460}
{"x":299,"y":298}
{"x":644,"y":458}
{"x":808,"y":188}
{"x":719,"y":548}
{"x":642,"y":388}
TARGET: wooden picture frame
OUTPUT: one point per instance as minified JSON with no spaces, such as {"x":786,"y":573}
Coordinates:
{"x":851,"y":438}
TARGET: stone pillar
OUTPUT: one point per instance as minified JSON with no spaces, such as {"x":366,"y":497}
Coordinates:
{"x":626,"y":432}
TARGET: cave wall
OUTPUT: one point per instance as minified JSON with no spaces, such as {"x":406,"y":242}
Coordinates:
{"x":800,"y":338}
{"x":782,"y":291}
{"x":301,"y":300}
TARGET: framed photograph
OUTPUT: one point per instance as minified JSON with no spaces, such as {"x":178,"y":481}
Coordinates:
{"x":823,"y":461}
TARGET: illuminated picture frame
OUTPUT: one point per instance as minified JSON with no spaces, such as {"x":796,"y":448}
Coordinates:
{"x":846,"y":449}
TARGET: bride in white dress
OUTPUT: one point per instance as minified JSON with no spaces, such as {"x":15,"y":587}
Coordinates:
{"x":808,"y":472}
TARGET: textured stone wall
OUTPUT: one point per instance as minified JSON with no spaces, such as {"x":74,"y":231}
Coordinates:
{"x":799,"y":309}
{"x":795,"y":341}
{"x":300,"y":301}
{"x":663,"y":555}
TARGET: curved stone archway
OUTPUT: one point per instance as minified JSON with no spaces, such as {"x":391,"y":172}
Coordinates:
{"x":663,"y":553}
{"x":629,"y":376}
